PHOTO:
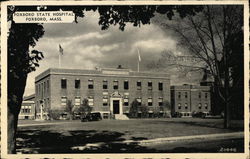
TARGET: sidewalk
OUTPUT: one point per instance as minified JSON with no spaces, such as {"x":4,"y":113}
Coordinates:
{"x":185,"y":138}
{"x":44,"y":123}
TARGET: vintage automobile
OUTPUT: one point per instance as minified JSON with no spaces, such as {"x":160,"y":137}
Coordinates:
{"x":94,"y":116}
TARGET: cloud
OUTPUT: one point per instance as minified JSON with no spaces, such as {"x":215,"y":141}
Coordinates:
{"x":86,"y":46}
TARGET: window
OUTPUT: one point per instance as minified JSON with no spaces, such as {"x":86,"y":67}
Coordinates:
{"x":126,"y":93}
{"x":105,"y":93}
{"x":160,"y":101}
{"x":91,"y":101}
{"x":186,"y":95}
{"x":160,"y":86}
{"x":105,"y":84}
{"x":77,"y":84}
{"x":105,"y":101}
{"x":126,"y":103}
{"x":63,"y":83}
{"x":48,"y":86}
{"x":90,"y":84}
{"x":206,"y":106}
{"x":199,"y":94}
{"x":139,"y":101}
{"x":105,"y":115}
{"x":115,"y":84}
{"x":179,"y":94}
{"x":138,"y":84}
{"x":199,"y":105}
{"x":42,"y":89}
{"x":206,"y":95}
{"x":63,"y":101}
{"x":179,"y":106}
{"x":126,"y":86}
{"x":150,"y":86}
{"x":77,"y":101}
{"x":186,"y":107}
{"x":150,"y":102}
{"x":48,"y":102}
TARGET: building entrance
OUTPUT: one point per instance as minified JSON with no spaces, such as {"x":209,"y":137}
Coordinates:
{"x":116,"y":107}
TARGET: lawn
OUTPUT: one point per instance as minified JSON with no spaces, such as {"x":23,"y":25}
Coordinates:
{"x":64,"y":136}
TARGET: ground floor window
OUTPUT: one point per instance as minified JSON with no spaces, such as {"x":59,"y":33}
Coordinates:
{"x":63,"y":101}
{"x":77,"y":101}
{"x":105,"y":115}
{"x":91,"y":101}
{"x":126,"y":102}
{"x":105,"y":101}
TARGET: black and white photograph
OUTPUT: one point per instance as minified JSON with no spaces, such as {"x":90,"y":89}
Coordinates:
{"x":124,"y":78}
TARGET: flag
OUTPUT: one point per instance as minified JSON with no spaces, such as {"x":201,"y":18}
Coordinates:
{"x":139,"y":57}
{"x":60,"y":49}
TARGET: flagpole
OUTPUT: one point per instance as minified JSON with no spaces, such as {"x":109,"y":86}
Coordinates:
{"x":139,"y":60}
{"x":138,"y":66}
{"x":59,"y":60}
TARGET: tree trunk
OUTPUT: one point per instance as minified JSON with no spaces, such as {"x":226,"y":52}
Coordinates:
{"x":15,"y":97}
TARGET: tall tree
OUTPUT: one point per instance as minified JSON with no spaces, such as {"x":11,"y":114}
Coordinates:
{"x":215,"y":37}
{"x":22,"y":37}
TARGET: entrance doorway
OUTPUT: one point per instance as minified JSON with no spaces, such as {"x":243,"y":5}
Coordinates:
{"x":116,"y":107}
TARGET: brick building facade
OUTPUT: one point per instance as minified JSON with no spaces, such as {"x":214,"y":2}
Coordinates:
{"x":28,"y":108}
{"x":109,"y":91}
{"x":187,"y":99}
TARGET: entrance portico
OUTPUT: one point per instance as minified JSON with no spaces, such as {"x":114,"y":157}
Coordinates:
{"x":116,"y":103}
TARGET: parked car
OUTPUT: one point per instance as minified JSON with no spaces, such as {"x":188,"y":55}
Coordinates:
{"x":95,"y":116}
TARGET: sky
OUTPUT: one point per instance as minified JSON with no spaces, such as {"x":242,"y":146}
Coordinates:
{"x":86,"y":46}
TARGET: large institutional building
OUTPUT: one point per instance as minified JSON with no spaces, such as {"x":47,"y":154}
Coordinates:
{"x":109,"y":91}
{"x":187,"y":99}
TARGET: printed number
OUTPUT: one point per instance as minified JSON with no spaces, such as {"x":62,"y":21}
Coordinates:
{"x":228,"y":149}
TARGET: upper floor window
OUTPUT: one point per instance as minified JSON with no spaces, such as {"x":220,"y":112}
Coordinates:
{"x":77,"y":84}
{"x":47,"y":86}
{"x":199,"y":105}
{"x":186,"y":106}
{"x":126,"y":86}
{"x":206,"y":106}
{"x":150,"y":102}
{"x":160,"y":86}
{"x":150,"y":85}
{"x":138,"y":84}
{"x":90,"y":84}
{"x":206,"y":95}
{"x":179,"y":94}
{"x":105,"y":84}
{"x":160,"y":101}
{"x":115,"y":84}
{"x":199,"y":95}
{"x":179,"y":106}
{"x":63,"y":83}
{"x":186,"y":95}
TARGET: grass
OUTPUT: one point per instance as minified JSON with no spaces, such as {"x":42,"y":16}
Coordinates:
{"x":62,"y":137}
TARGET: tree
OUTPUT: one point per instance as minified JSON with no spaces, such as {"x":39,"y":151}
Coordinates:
{"x":134,"y":108}
{"x":215,"y":37}
{"x":69,"y":108}
{"x":84,"y":107}
{"x":166,"y":108}
{"x":144,"y":111}
{"x":22,"y":61}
